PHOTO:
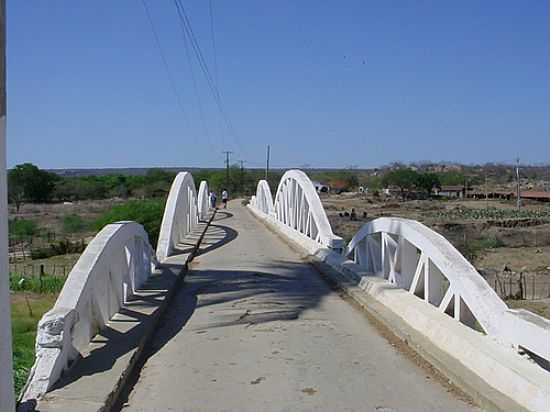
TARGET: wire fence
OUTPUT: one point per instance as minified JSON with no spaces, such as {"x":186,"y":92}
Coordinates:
{"x":522,"y":285}
{"x":23,"y":249}
{"x":35,"y":269}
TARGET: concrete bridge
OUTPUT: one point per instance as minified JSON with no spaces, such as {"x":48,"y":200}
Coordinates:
{"x":262,"y":307}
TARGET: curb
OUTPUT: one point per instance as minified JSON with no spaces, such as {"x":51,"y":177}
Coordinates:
{"x":113,"y":402}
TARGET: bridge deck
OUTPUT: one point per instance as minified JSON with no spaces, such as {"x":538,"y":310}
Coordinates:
{"x":257,"y":329}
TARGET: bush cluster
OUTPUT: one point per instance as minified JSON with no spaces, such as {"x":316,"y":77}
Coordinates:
{"x":145,"y":212}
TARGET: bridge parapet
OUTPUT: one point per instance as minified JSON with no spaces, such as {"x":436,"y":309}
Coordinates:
{"x":182,"y":213}
{"x":298,"y":207}
{"x":263,"y":201}
{"x":203,"y":203}
{"x":114,"y":265}
{"x":415,"y":258}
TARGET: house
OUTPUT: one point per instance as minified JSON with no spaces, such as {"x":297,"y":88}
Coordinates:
{"x":452,"y":192}
{"x":540,"y":196}
{"x":480,"y":194}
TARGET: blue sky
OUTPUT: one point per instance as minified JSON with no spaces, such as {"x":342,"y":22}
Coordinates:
{"x":326,"y":83}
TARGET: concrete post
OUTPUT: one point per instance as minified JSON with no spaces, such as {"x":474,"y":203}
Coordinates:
{"x":7,"y":401}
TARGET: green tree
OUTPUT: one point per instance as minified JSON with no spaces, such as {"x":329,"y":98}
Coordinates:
{"x":452,"y":178}
{"x":405,"y":179}
{"x":146,"y":212}
{"x":26,"y":182}
{"x":427,"y":181}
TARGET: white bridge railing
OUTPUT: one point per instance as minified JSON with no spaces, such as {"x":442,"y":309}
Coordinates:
{"x":298,"y":209}
{"x":182,"y":213}
{"x":410,"y":256}
{"x":113,"y":266}
{"x":263,"y":201}
{"x":111,"y":269}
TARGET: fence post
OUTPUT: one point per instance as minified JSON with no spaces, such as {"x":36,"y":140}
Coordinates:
{"x":40,"y":276}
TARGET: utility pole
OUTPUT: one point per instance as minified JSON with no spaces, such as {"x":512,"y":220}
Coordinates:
{"x":7,"y":399}
{"x":267,"y":161}
{"x":486,"y":192}
{"x":518,"y":185}
{"x":242,"y":175}
{"x":227,"y":154}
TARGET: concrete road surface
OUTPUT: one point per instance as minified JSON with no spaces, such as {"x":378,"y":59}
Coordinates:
{"x":256,"y":329}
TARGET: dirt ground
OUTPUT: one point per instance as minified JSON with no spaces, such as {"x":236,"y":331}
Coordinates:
{"x":49,"y":219}
{"x":491,"y":240}
{"x":49,"y":216}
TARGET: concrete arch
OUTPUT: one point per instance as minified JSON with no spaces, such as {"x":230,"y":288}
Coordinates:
{"x":180,"y":215}
{"x":114,"y":265}
{"x":203,"y":200}
{"x":263,"y":201}
{"x":298,"y":206}
{"x":414,"y":257}
{"x":421,"y":261}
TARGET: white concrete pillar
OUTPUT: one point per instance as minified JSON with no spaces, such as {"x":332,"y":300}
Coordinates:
{"x":7,"y":400}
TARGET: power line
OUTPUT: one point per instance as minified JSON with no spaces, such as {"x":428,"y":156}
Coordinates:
{"x":196,"y":89}
{"x":162,"y":56}
{"x":185,"y":24}
{"x":212,"y":34}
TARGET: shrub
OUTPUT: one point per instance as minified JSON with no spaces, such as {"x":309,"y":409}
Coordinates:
{"x":145,"y":212}
{"x":22,"y":228}
{"x":73,"y":223}
{"x":63,"y":247}
{"x":49,"y":284}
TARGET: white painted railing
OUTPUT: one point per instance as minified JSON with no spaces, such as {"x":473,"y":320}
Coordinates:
{"x":415,"y":258}
{"x":113,"y":266}
{"x":180,"y":215}
{"x":203,"y":201}
{"x":263,"y":201}
{"x":297,"y":205}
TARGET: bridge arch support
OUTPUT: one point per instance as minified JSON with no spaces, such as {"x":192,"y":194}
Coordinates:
{"x":203,"y":204}
{"x":180,"y":215}
{"x":414,"y":257}
{"x":112,"y":268}
{"x":297,"y":205}
{"x":263,"y":200}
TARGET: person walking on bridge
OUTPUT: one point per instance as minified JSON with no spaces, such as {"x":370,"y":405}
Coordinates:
{"x":225,"y":198}
{"x":212,"y":199}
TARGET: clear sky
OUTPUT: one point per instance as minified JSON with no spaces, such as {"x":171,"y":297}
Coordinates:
{"x":326,"y":83}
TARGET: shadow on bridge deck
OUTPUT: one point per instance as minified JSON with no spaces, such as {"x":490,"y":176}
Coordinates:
{"x":240,"y":297}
